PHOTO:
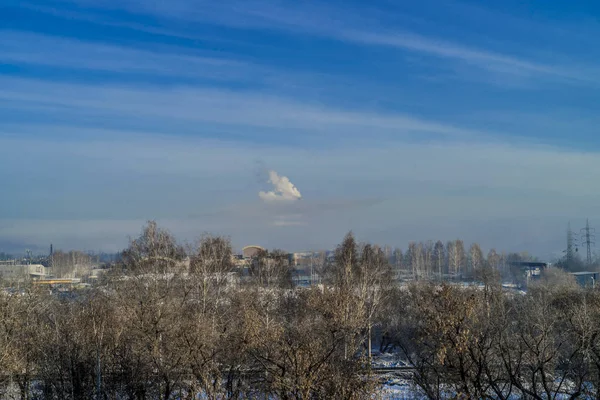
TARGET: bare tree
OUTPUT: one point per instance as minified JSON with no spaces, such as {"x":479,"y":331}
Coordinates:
{"x":346,"y":261}
{"x":212,"y":268}
{"x":456,"y":256}
{"x":280,"y":268}
{"x":493,"y":260}
{"x":272,"y":268}
{"x":428,"y":258}
{"x":70,"y":264}
{"x":415,"y":252}
{"x":374,"y":280}
{"x":210,"y":335}
{"x":300,"y":345}
{"x":154,"y":251}
{"x":318,"y":262}
{"x":438,"y":258}
{"x":398,"y":262}
{"x":155,"y":305}
{"x":476,"y":259}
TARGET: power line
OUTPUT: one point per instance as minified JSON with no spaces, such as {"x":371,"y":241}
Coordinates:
{"x":588,"y":236}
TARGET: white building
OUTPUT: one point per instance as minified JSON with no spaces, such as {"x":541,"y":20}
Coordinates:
{"x":10,"y":271}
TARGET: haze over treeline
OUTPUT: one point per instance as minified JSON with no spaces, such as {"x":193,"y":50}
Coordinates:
{"x":543,"y":238}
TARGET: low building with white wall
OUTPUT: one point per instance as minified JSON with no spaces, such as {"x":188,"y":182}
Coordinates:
{"x":10,"y":271}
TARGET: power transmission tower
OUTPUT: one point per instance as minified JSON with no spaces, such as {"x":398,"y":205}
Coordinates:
{"x":571,"y":246}
{"x":588,"y":236}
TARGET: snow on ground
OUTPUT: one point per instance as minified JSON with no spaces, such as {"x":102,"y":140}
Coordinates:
{"x":387,"y":360}
{"x":394,"y":388}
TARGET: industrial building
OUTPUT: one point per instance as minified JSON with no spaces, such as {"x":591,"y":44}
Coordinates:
{"x":531,"y":270}
{"x":10,"y":270}
{"x":586,"y":278}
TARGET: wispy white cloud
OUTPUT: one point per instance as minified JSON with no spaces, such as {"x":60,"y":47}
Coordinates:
{"x":175,"y":62}
{"x":289,"y":220}
{"x":488,"y":60}
{"x":215,"y":106}
{"x":365,"y":26}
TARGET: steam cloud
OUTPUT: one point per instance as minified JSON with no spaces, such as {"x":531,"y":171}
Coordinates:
{"x":284,"y":190}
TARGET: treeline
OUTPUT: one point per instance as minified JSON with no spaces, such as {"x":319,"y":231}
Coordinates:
{"x":176,"y":322}
{"x":453,"y":260}
{"x":75,"y":263}
{"x":70,"y":264}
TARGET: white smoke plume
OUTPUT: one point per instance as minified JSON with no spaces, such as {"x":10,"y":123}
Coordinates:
{"x":283,"y":189}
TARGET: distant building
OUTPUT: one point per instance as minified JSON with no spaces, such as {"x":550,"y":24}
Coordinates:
{"x":586,"y":279}
{"x":301,"y":260}
{"x":307,"y":266}
{"x":11,"y":271}
{"x":252,"y":251}
{"x":531,"y":270}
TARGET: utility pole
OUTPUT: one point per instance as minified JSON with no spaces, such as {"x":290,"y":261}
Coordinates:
{"x":588,"y":236}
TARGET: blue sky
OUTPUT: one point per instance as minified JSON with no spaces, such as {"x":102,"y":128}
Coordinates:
{"x":400,"y":120}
